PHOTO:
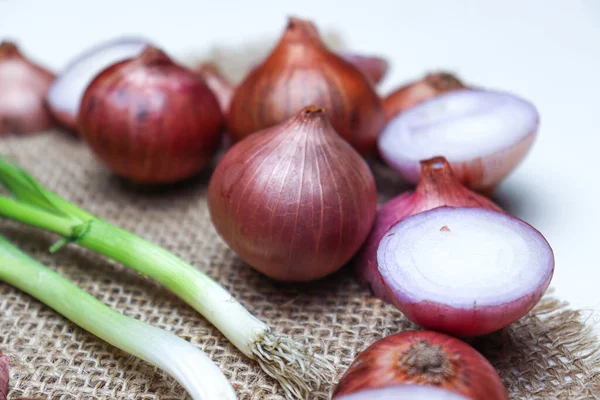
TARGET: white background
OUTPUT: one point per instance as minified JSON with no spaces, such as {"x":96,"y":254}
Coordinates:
{"x":547,"y":51}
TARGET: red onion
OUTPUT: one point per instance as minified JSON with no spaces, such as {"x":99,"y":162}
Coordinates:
{"x":430,"y":86}
{"x":483,"y":134}
{"x":4,"y":364}
{"x":424,"y":358}
{"x":437,"y":187}
{"x":221,"y":87}
{"x":301,"y":71}
{"x":404,"y":392}
{"x":464,"y":271}
{"x":373,"y":67}
{"x":295,"y":201}
{"x":151,"y":120}
{"x":23,"y":85}
{"x":65,"y":94}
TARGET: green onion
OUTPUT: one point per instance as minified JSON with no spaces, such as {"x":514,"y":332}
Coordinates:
{"x":191,"y":367}
{"x":294,"y":365}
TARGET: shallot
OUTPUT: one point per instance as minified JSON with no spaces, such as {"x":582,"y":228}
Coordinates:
{"x":65,"y":94}
{"x":295,"y":201}
{"x":151,"y":120}
{"x":430,"y":360}
{"x":23,"y":86}
{"x":301,"y":71}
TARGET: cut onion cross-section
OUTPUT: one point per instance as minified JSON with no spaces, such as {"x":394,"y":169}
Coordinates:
{"x":483,"y":134}
{"x":464,"y":271}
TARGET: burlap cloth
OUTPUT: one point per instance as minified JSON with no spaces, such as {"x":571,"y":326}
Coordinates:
{"x":549,"y":354}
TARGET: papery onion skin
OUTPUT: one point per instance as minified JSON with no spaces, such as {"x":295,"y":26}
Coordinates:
{"x":295,"y":201}
{"x":4,"y":376}
{"x":501,"y":130}
{"x":423,"y":358}
{"x":151,"y":120}
{"x":409,"y":95}
{"x":301,"y":71}
{"x":221,"y":87}
{"x":69,"y":87}
{"x":23,"y":87}
{"x":374,"y":68}
{"x":477,"y":318}
{"x":437,"y":187}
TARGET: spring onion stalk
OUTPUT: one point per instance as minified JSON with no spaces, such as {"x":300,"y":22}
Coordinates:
{"x":294,"y":365}
{"x":197,"y":373}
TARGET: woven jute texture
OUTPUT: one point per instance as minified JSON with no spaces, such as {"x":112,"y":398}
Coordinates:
{"x":550,"y":354}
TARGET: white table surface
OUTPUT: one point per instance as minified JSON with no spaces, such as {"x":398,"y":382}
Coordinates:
{"x":547,"y":51}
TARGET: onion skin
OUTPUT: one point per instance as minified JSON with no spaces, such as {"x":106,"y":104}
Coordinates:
{"x":151,"y":120}
{"x":302,"y":71}
{"x":423,"y":358}
{"x":438,"y":186}
{"x":295,"y":201}
{"x":416,"y":92}
{"x":23,"y":87}
{"x":374,"y":68}
{"x":221,"y":87}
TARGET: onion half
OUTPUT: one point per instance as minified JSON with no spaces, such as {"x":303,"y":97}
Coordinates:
{"x":464,"y":271}
{"x":483,"y":134}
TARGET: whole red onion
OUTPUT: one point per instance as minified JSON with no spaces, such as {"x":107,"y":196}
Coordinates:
{"x":66,"y":92}
{"x":23,"y":87}
{"x":437,"y":187}
{"x":301,"y":71}
{"x":151,"y":120}
{"x":424,"y":358}
{"x":409,"y":95}
{"x":295,"y":201}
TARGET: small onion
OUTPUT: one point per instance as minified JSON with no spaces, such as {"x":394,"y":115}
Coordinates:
{"x":464,"y":271}
{"x":65,"y":94}
{"x":437,"y":187}
{"x":373,"y":67}
{"x":23,"y":86}
{"x":429,"y":359}
{"x":151,"y":120}
{"x":295,"y":201}
{"x":409,"y":95}
{"x":220,"y":86}
{"x":301,"y":71}
{"x":483,"y":134}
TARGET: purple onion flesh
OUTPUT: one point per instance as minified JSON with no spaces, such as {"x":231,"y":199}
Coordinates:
{"x":464,"y":271}
{"x":483,"y":134}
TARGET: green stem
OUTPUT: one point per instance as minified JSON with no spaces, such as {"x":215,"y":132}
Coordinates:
{"x":197,"y":289}
{"x":192,"y":368}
